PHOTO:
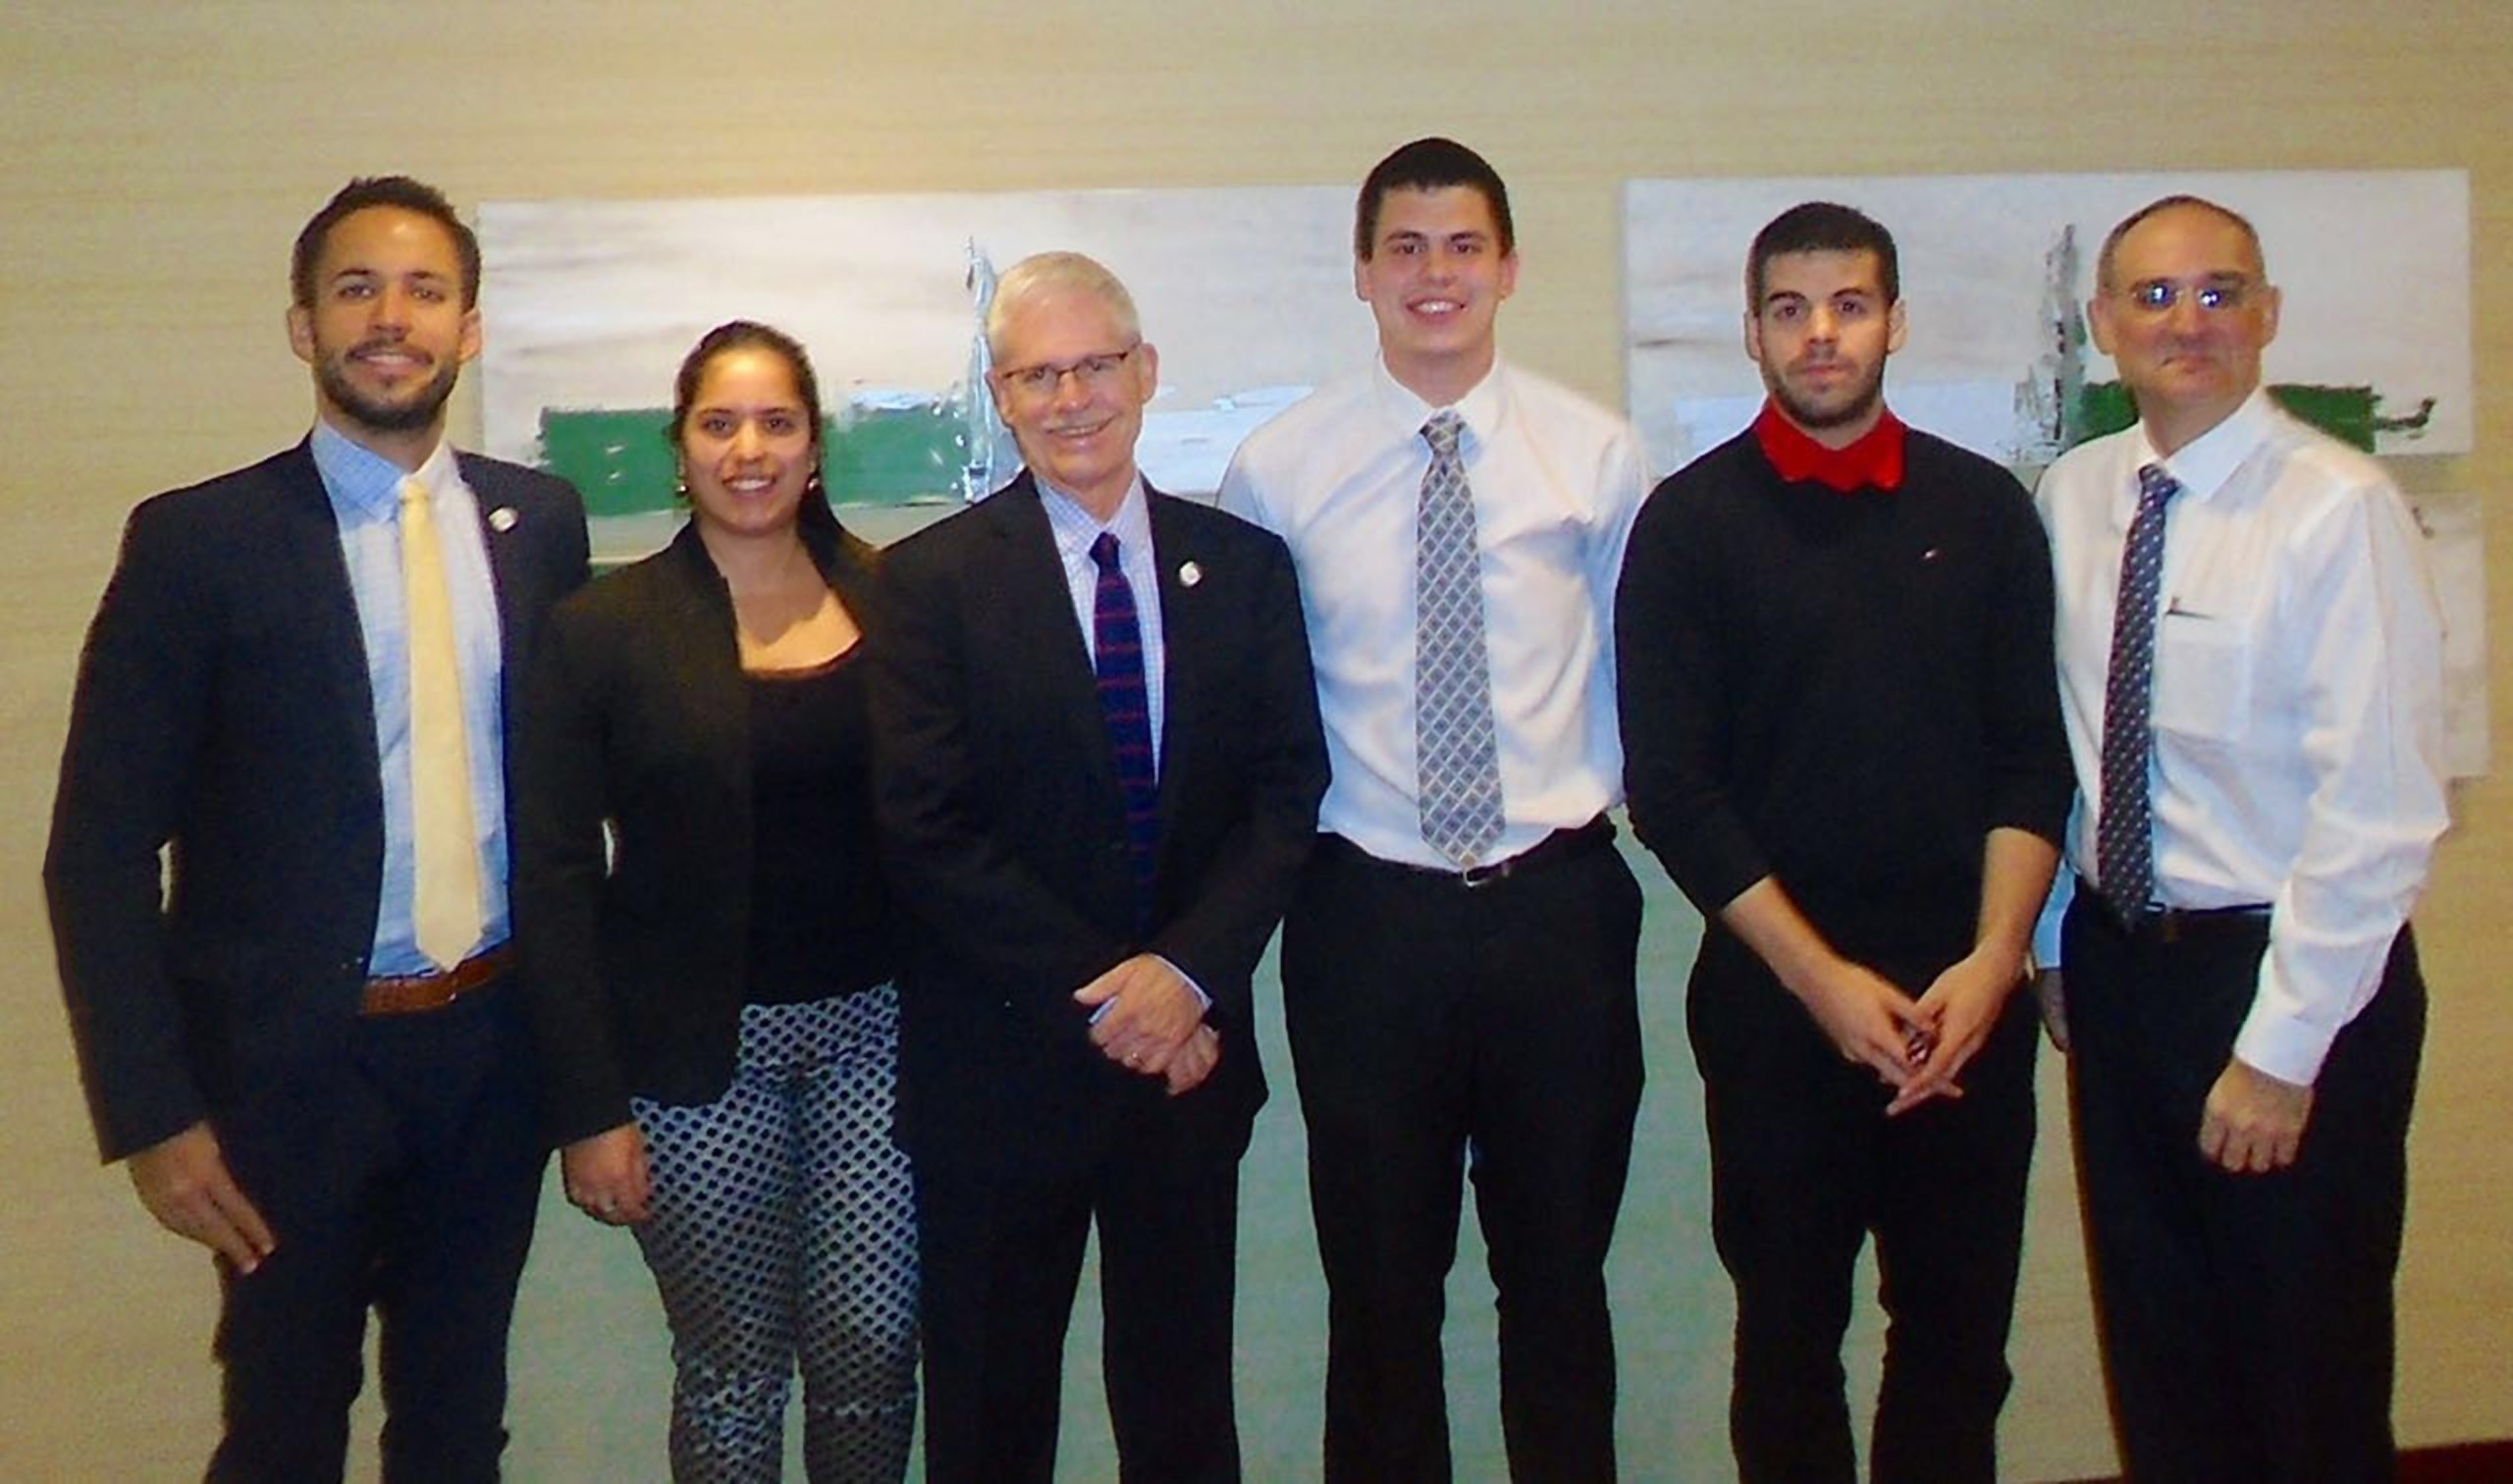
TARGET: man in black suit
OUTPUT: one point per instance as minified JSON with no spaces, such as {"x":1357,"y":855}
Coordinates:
{"x":1099,"y":768}
{"x":299,"y":1039}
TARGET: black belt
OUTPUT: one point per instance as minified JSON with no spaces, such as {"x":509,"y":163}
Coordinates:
{"x":2179,"y":925}
{"x":1559,"y":848}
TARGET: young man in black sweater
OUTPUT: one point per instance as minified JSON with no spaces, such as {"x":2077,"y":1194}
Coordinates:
{"x":1841,"y":736}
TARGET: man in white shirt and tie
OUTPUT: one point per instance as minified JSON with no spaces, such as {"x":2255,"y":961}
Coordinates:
{"x":1458,"y":960}
{"x":2249,"y":661}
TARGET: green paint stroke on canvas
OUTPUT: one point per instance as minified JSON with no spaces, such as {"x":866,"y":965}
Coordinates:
{"x":2351,"y":414}
{"x":888,"y":456}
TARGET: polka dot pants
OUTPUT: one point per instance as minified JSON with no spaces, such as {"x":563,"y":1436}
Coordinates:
{"x":784,"y":1230}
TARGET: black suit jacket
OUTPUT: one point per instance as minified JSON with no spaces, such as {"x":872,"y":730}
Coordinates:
{"x":223,"y":713}
{"x":636,"y":713}
{"x":1004,"y":824}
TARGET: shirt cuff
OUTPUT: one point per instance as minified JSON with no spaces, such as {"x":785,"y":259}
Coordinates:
{"x":1204,"y":1001}
{"x":2054,"y":910}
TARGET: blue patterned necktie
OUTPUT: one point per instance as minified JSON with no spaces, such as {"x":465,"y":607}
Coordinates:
{"x":1126,"y":708}
{"x":1457,"y":754}
{"x":2124,"y":856}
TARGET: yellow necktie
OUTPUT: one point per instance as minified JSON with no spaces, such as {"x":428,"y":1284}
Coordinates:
{"x":444,"y":898}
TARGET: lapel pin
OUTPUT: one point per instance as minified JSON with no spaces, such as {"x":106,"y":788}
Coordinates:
{"x":1189,"y":574}
{"x":502,"y":518}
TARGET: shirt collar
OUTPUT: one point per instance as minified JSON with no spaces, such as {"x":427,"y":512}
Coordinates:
{"x":1874,"y":462}
{"x":364,"y":480}
{"x":2203,"y":466}
{"x":1075,"y":527}
{"x":1480,"y":408}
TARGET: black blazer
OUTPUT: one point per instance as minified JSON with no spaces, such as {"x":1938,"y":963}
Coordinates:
{"x":223,"y":709}
{"x":636,"y":714}
{"x":1004,"y":824}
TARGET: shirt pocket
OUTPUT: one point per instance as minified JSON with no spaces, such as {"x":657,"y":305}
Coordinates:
{"x":2202,"y":675}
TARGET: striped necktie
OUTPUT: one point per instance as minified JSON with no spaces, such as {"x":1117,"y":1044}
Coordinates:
{"x":1126,"y":708}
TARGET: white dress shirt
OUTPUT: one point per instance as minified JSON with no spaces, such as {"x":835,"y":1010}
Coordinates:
{"x":1557,"y":482}
{"x":2298,"y":700}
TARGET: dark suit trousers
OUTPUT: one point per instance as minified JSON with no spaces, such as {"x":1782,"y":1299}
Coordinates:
{"x":2246,"y":1319}
{"x":403,"y":1175}
{"x":1803,"y":1166}
{"x":1431,"y":1024}
{"x":1000,"y":1255}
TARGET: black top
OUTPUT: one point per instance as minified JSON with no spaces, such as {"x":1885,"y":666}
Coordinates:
{"x":1845,"y":691}
{"x":818,"y":924}
{"x":634,"y":826}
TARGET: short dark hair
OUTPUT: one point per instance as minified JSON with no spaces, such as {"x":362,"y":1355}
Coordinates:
{"x":2105,"y":261}
{"x":367,"y":191}
{"x":1822,"y":227}
{"x":1430,"y":164}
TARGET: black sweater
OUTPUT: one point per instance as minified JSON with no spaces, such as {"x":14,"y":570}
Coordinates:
{"x":1845,"y":692}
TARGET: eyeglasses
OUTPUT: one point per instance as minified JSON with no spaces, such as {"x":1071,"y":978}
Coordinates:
{"x":2221,"y":295}
{"x":1095,"y":373}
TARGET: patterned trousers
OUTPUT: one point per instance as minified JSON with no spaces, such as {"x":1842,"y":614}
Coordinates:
{"x":784,"y":1229}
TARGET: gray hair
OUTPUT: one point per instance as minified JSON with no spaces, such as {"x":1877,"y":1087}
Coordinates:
{"x":1056,"y":273}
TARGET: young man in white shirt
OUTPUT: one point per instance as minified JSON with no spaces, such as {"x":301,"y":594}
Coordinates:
{"x":1458,"y":961}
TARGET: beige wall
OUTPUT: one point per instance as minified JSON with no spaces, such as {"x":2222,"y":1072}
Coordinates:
{"x":154,"y":160}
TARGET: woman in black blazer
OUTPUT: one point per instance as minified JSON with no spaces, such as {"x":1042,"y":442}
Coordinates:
{"x":713,"y":990}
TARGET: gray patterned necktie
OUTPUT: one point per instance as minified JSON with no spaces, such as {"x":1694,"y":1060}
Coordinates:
{"x":2124,"y":857}
{"x":1457,"y":754}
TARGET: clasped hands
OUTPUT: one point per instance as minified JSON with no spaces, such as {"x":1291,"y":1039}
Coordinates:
{"x":1148,"y":1020}
{"x":1919,"y":1047}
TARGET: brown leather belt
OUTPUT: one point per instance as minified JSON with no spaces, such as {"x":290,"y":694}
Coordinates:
{"x":1558,"y":848}
{"x":417,"y":993}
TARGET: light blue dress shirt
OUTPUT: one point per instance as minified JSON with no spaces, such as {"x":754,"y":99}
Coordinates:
{"x":365,"y":493}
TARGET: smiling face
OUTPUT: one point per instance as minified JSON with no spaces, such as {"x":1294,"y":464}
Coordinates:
{"x":386,"y":332}
{"x":1822,"y":335}
{"x":2184,"y":313}
{"x":748,"y":447}
{"x":1434,"y":280}
{"x":1071,"y":382}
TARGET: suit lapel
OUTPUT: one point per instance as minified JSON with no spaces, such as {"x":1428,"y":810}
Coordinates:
{"x":337,"y":645}
{"x":501,"y":536}
{"x":1184,"y":638}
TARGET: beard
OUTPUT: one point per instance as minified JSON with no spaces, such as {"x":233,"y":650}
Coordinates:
{"x":417,"y":407}
{"x":1862,"y":399}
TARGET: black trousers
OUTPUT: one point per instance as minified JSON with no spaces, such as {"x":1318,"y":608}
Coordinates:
{"x":1001,"y":1255}
{"x":1803,"y":1166}
{"x":403,"y":1177}
{"x":2246,"y":1319}
{"x":1433,"y":1025}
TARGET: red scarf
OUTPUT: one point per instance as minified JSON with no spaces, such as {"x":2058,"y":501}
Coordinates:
{"x":1874,"y":462}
